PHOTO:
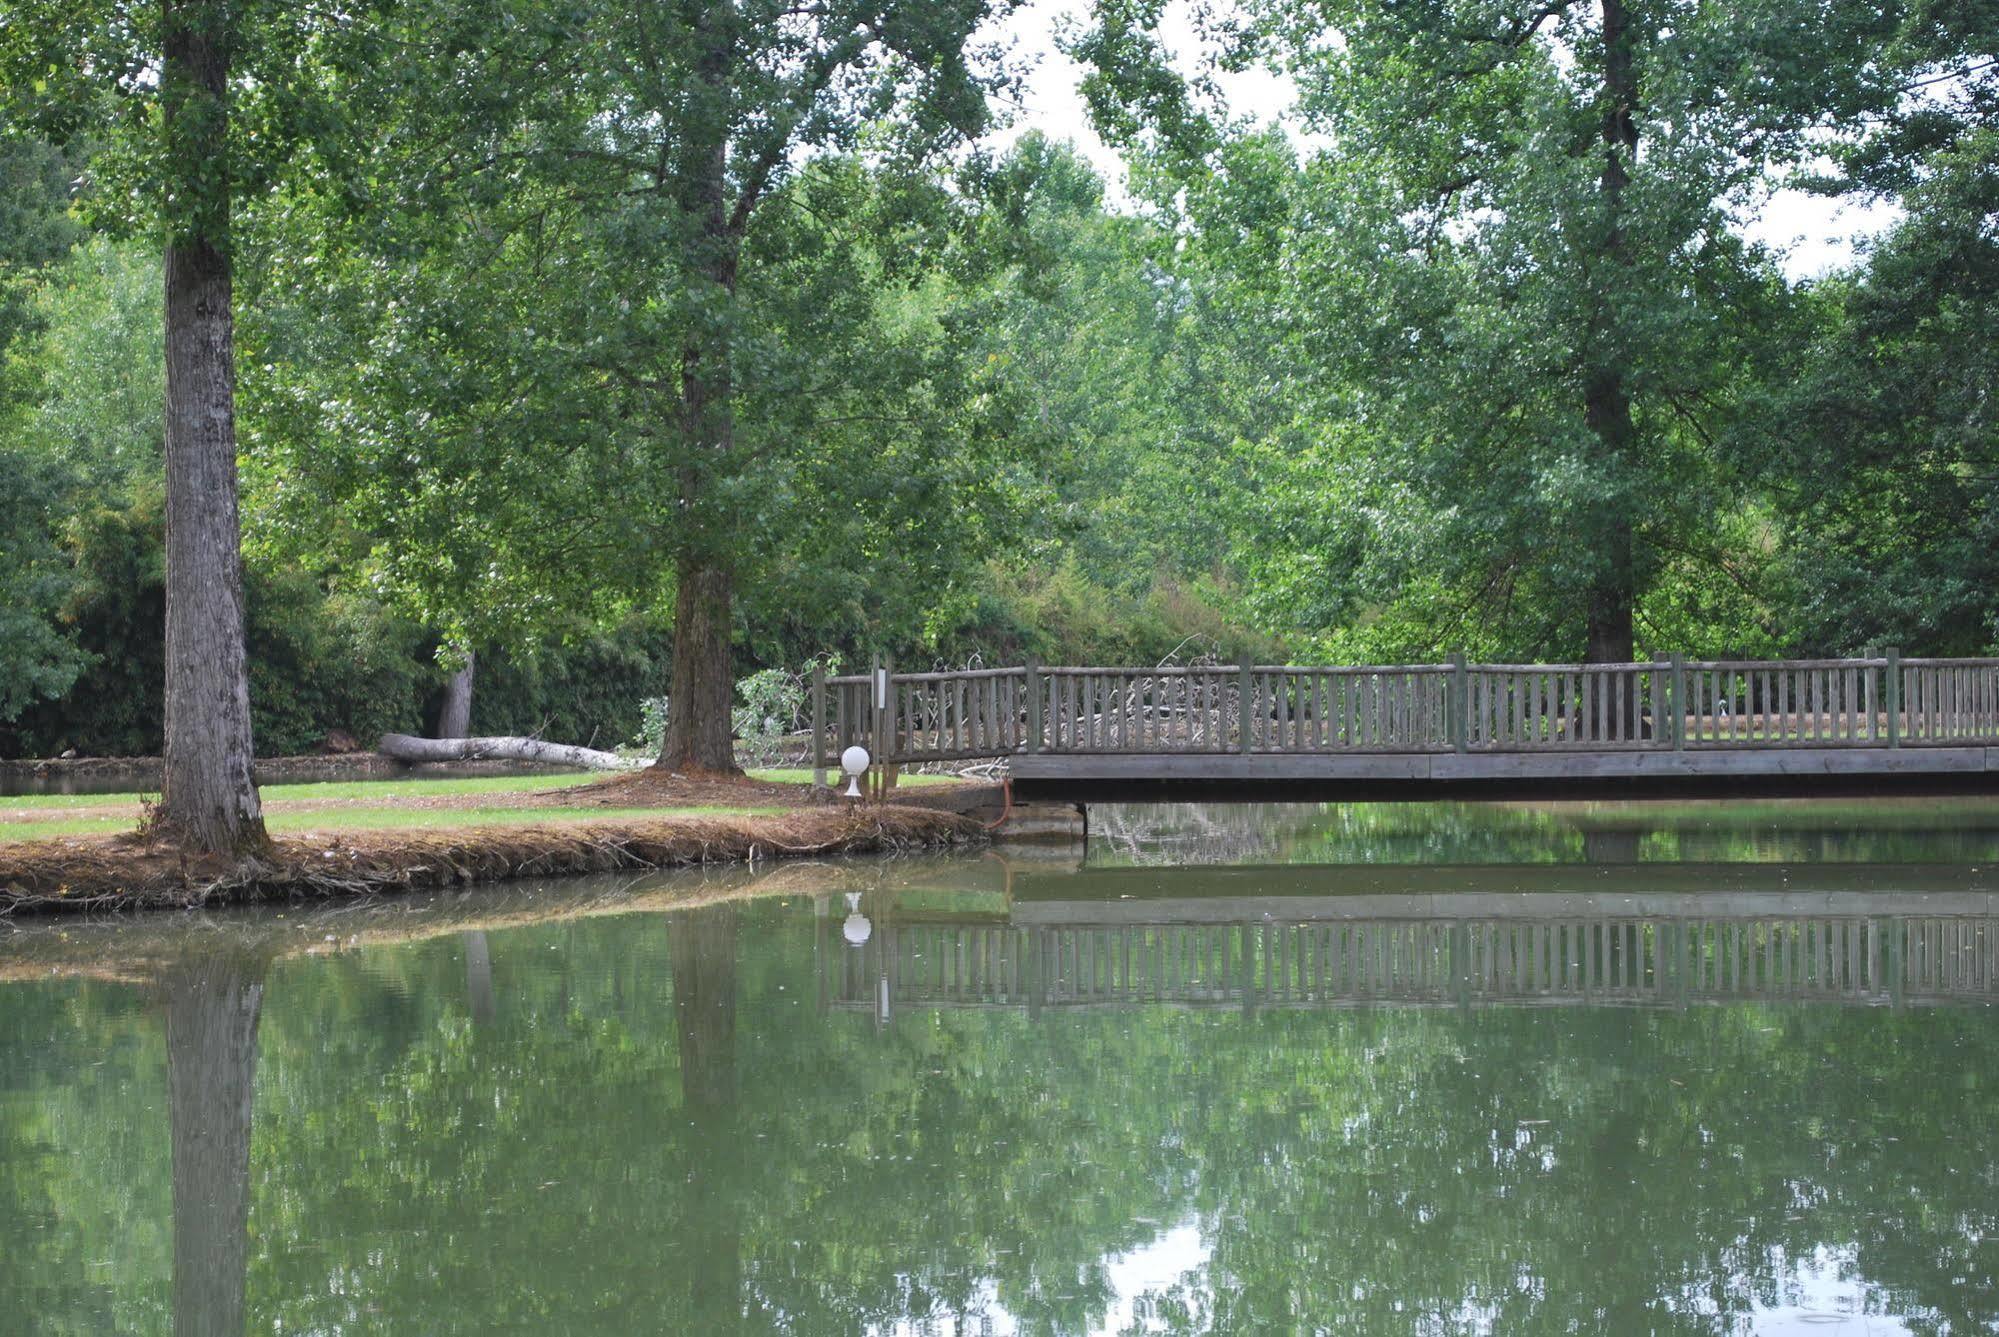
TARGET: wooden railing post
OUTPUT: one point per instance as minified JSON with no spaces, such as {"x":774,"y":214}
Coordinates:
{"x":893,"y":740}
{"x":1460,"y":703}
{"x":1245,"y":740}
{"x":818,"y":726}
{"x":1033,"y":704}
{"x":1892,"y":689}
{"x":1678,"y":705}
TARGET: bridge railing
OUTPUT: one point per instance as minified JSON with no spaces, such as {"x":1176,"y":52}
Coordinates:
{"x":1672,"y":703}
{"x":1642,"y":960}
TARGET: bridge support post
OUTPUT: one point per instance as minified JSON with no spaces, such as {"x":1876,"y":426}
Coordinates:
{"x":1460,"y":703}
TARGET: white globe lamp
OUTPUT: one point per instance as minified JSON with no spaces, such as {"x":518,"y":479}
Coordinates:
{"x":854,"y":761}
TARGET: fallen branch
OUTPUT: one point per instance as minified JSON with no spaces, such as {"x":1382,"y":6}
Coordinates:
{"x":404,"y":747}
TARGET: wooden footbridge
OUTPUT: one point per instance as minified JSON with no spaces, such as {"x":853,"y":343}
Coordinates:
{"x":1662,"y":727}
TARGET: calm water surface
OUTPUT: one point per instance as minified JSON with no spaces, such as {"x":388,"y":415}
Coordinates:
{"x":1424,"y":1070}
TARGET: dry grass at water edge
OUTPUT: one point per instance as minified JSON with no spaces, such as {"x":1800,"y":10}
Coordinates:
{"x":126,"y":872}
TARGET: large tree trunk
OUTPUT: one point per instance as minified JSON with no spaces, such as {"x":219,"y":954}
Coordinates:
{"x":455,"y":720}
{"x":1606,"y":398}
{"x":700,"y":701}
{"x":700,"y":729}
{"x":208,"y":797}
{"x":212,"y":1006}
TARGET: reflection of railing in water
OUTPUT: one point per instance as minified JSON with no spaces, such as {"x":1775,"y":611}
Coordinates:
{"x":1606,"y":960}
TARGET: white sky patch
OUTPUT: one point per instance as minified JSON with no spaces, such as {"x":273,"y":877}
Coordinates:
{"x":1821,"y":1298}
{"x":1811,"y":234}
{"x":1153,"y":1269}
{"x":1175,"y":1255}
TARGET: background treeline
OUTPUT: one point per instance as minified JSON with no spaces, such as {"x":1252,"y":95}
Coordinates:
{"x":1484,"y":361}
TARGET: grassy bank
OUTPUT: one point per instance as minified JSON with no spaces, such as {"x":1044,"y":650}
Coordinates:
{"x":440,"y":804}
{"x":83,"y":852}
{"x":121,"y":872}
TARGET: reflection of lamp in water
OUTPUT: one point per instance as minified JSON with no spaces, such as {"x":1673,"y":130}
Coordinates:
{"x":856,"y":929}
{"x":854,"y":761}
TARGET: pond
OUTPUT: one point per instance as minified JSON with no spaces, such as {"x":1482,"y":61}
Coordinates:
{"x":1426,"y":1070}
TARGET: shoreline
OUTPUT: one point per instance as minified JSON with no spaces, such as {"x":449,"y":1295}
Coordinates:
{"x":91,"y":874}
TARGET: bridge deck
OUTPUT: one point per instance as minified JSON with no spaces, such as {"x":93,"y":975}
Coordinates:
{"x":1799,"y":771}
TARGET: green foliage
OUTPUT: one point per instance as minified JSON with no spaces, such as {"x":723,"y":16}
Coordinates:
{"x":1886,"y":439}
{"x":38,"y":660}
{"x":585,"y":690}
{"x":773,"y":701}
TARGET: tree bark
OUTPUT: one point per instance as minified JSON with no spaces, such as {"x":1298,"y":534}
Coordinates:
{"x":1612,"y":592}
{"x":700,"y":702}
{"x":455,"y":720}
{"x":208,"y":796}
{"x":407,"y":747}
{"x":700,"y":728}
{"x":212,"y":1006}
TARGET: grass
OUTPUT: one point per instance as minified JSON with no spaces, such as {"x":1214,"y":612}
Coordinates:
{"x":392,"y":789}
{"x":331,"y":789}
{"x":383,"y":819}
{"x":800,"y":776}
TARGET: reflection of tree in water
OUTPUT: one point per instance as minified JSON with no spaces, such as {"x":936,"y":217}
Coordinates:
{"x":212,"y":1008}
{"x":703,"y":947}
{"x":479,"y":978}
{"x":1179,"y":834}
{"x":1166,"y":834}
{"x":1196,"y":833}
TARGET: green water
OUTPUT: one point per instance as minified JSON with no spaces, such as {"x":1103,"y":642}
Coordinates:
{"x":1704,"y":1082}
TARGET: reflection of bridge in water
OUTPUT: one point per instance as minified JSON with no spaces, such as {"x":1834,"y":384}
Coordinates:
{"x":1537,"y":948}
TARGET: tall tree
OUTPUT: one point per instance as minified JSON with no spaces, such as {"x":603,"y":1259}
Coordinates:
{"x":207,"y":791}
{"x":171,"y":147}
{"x":594,"y":358}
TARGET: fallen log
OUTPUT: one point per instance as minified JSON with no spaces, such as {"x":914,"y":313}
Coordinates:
{"x":404,"y":747}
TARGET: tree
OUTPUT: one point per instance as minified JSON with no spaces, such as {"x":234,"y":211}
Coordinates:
{"x":36,"y":660}
{"x":1513,"y":278}
{"x":1880,"y":442}
{"x":587,"y":362}
{"x":57,"y":56}
{"x":675,"y":128}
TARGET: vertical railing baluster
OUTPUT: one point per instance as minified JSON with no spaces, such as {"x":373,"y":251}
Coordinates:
{"x":1244,"y":741}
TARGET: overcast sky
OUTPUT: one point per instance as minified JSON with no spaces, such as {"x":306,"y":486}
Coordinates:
{"x":1812,"y":233}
